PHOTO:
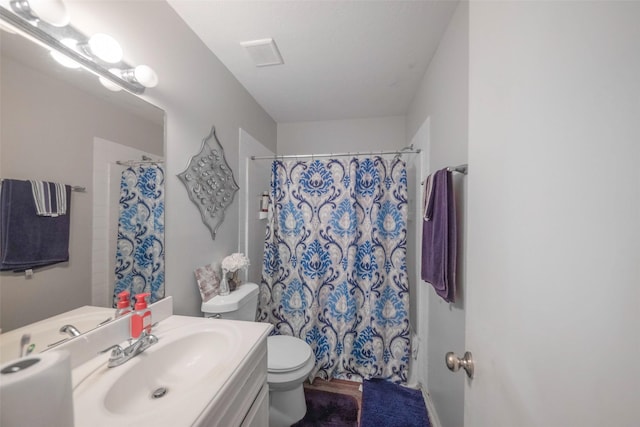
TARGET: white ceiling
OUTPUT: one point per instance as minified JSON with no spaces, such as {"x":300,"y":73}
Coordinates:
{"x":342,"y":59}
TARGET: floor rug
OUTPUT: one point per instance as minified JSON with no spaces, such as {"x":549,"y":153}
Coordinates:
{"x":329,"y":410}
{"x":391,"y":405}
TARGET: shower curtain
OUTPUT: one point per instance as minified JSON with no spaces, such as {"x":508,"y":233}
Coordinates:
{"x":140,"y":246}
{"x":334,"y":270}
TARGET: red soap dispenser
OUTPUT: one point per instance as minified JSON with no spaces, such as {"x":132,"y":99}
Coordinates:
{"x":124,"y":305}
{"x":141,"y":318}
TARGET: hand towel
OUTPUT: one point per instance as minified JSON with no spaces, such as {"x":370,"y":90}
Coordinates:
{"x":439,"y":238}
{"x":26,"y":239}
{"x":427,"y":200}
{"x":50,"y":198}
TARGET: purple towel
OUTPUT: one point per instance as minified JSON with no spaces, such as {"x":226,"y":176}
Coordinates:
{"x":439,"y":238}
{"x":26,"y":239}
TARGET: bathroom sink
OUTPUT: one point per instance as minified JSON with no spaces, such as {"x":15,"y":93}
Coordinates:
{"x":168,"y":372}
{"x":168,"y":384}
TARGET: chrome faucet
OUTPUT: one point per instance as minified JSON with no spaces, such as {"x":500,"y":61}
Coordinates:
{"x":70,"y":329}
{"x":121,"y":355}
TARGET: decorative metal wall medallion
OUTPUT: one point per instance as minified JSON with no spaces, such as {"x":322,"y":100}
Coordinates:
{"x":210,"y":183}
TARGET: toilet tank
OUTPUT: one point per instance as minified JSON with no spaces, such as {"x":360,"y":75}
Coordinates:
{"x":240,"y":304}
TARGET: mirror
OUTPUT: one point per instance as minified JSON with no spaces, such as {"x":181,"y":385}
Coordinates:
{"x":60,"y":124}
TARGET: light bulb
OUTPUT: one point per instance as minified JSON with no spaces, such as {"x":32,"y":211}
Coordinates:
{"x":106,"y":48}
{"x":142,"y":74}
{"x":145,"y":76}
{"x":51,"y":11}
{"x":63,"y":59}
{"x":108,"y":83}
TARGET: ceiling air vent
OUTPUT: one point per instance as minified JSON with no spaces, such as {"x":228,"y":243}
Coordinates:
{"x":263,"y":52}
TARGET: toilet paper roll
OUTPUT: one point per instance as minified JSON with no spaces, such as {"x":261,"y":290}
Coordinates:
{"x":36,"y":391}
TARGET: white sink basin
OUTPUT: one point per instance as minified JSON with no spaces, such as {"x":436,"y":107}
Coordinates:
{"x":174,"y":366}
{"x":189,"y":365}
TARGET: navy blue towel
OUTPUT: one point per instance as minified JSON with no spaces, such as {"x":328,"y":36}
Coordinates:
{"x":26,"y":239}
{"x":391,"y":405}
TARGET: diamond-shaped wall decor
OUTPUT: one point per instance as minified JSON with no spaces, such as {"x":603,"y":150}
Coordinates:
{"x":210,"y":183}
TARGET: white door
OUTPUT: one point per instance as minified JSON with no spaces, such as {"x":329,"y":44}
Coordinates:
{"x":553,"y":255}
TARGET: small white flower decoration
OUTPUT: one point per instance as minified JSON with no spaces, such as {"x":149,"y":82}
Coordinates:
{"x":234,"y":262}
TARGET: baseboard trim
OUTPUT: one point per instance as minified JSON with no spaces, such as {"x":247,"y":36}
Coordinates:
{"x":431,"y":410}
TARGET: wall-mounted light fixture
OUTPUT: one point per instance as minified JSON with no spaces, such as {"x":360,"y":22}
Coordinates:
{"x":47,"y":23}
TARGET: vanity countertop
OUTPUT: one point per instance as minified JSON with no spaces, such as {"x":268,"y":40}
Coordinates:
{"x":196,"y":370}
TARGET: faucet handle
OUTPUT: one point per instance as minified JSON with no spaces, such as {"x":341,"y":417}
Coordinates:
{"x":116,"y":351}
{"x":151,"y":339}
{"x":147,"y":338}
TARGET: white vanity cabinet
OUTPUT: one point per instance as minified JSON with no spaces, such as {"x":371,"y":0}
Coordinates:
{"x":259,"y":410}
{"x":200,"y":373}
{"x":244,"y":399}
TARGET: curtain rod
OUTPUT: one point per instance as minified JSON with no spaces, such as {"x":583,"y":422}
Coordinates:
{"x":138,"y":162}
{"x":76,"y":188}
{"x":355,"y":154}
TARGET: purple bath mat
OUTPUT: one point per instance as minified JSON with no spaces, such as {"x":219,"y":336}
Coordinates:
{"x":326,"y":409}
{"x":391,"y":405}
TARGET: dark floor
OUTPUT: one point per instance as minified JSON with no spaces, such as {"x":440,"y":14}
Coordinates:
{"x":350,"y":388}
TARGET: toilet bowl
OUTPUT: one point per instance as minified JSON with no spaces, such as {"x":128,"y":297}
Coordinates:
{"x":289,"y":359}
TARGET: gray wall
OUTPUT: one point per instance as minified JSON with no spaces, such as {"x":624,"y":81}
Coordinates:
{"x":338,"y":136}
{"x":196,"y":91}
{"x":47,"y":133}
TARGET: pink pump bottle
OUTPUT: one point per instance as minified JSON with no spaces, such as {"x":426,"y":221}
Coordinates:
{"x":124,"y":304}
{"x":141,"y":318}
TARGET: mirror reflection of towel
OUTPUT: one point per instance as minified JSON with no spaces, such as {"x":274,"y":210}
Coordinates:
{"x":26,"y":239}
{"x":439,"y":238}
{"x":50,"y":198}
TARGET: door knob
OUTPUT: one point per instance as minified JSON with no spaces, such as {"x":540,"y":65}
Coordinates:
{"x":454,"y":362}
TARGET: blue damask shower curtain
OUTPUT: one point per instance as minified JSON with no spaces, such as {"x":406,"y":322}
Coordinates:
{"x":334,"y":270}
{"x":140,"y":246}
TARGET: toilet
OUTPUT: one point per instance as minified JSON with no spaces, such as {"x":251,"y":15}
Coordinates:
{"x":289,"y":359}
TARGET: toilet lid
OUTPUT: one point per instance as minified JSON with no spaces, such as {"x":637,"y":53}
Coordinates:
{"x":286,"y":353}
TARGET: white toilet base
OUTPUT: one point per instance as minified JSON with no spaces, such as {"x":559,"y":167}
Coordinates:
{"x":286,"y":407}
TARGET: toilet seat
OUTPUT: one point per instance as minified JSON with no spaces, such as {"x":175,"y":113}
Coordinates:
{"x":286,"y":354}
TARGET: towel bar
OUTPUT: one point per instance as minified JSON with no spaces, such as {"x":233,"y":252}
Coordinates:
{"x":463,"y":169}
{"x":76,"y":188}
